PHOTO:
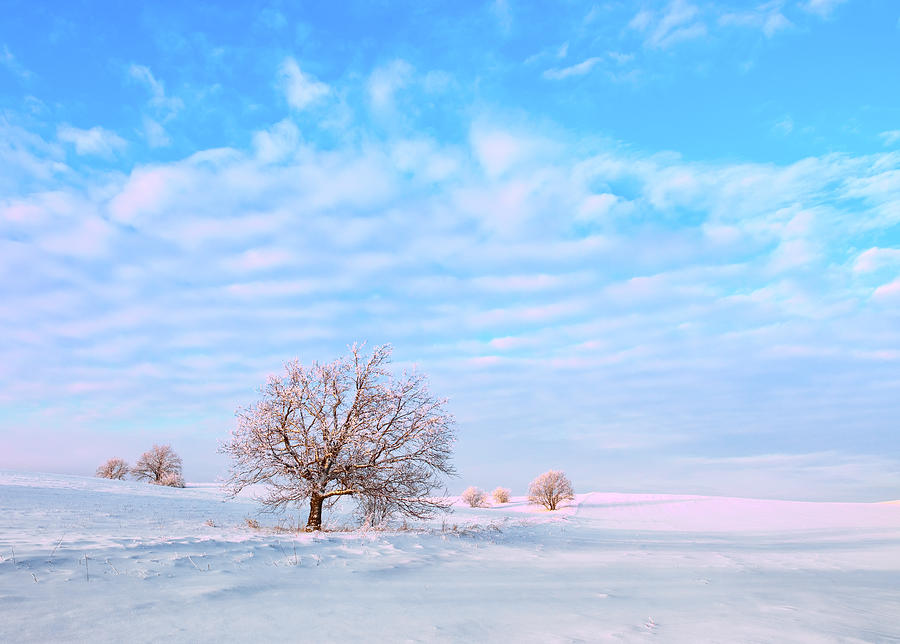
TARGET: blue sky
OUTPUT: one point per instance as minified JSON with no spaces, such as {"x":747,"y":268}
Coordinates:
{"x":656,"y":244}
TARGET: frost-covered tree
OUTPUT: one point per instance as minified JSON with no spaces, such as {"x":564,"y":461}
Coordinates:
{"x":501,"y":495}
{"x":160,"y":465}
{"x":348,"y":427}
{"x":550,"y":489}
{"x":474,"y":497}
{"x":114,"y":468}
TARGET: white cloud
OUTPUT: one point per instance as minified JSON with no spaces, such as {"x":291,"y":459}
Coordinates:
{"x":784,"y":126}
{"x":94,"y":141}
{"x":488,"y":257}
{"x":301,"y":89}
{"x":426,"y":159}
{"x":14,"y":66}
{"x":641,"y":20}
{"x":167,"y":106}
{"x":598,"y":206}
{"x":579,"y":69}
{"x":821,"y":7}
{"x":503,"y":15}
{"x":768,"y":18}
{"x":891,"y":137}
{"x":678,"y":22}
{"x":497,"y":151}
{"x":277,"y":143}
{"x":260,"y":259}
{"x":385,"y":81}
{"x":889,"y":292}
{"x":875,"y":258}
{"x":155,"y":134}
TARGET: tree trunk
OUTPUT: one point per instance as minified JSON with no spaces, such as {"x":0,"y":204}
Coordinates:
{"x":315,"y":513}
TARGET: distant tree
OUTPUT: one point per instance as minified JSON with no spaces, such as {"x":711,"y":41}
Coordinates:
{"x":474,"y":497}
{"x":550,"y":489}
{"x":114,"y":468}
{"x":348,"y":427}
{"x":159,"y":465}
{"x":501,"y":495}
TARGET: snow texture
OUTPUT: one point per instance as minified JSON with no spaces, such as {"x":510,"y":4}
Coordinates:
{"x":85,"y":559}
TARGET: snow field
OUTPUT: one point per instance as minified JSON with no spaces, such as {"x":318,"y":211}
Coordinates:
{"x":91,"y":560}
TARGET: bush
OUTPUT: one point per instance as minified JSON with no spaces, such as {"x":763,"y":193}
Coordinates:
{"x":550,"y":489}
{"x":501,"y":495}
{"x":171,"y":480}
{"x":474,"y":497}
{"x":114,"y":468}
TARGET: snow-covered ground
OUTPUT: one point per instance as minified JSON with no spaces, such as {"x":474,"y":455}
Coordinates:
{"x":91,"y":560}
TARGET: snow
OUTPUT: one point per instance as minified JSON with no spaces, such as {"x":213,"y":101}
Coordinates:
{"x":608,"y":567}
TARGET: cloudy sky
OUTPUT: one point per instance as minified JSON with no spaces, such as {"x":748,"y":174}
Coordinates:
{"x":654,"y":244}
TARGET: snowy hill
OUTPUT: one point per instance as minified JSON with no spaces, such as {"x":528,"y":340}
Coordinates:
{"x":83,"y":559}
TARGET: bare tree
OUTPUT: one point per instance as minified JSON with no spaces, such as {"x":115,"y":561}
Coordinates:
{"x":160,"y":465}
{"x":501,"y":495}
{"x":114,"y":468}
{"x":550,"y":489}
{"x":474,"y":497}
{"x":344,"y":428}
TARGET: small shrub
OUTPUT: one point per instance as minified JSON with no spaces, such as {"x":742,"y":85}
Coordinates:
{"x":171,"y":480}
{"x":251,"y":523}
{"x":550,"y":489}
{"x":474,"y":497}
{"x":501,"y":495}
{"x":114,"y":468}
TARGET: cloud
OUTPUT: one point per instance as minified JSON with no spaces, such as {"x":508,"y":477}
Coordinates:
{"x":301,"y":89}
{"x":260,"y":259}
{"x":823,"y":8}
{"x":155,"y":134}
{"x":628,"y":284}
{"x":503,"y":15}
{"x":579,"y":69}
{"x":599,"y":206}
{"x":385,"y":81}
{"x":889,"y":292}
{"x":94,"y":141}
{"x":497,"y":150}
{"x":784,"y":126}
{"x":678,"y":22}
{"x":277,"y":143}
{"x":9,"y":61}
{"x":891,"y":137}
{"x":875,"y":258}
{"x":167,"y":106}
{"x":146,"y":191}
{"x":768,"y":18}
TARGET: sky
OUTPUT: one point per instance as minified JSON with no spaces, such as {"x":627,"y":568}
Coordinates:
{"x":653,"y":244}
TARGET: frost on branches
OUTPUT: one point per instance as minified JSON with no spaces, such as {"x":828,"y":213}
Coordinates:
{"x":550,"y":489}
{"x":344,"y":428}
{"x":159,"y":465}
{"x":114,"y":468}
{"x":474,"y":497}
